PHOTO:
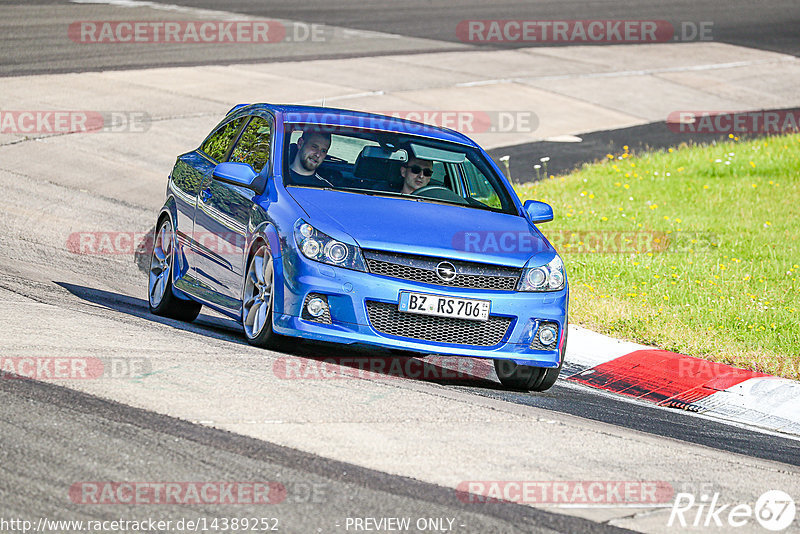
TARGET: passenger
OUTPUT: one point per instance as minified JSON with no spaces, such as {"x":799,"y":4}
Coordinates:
{"x":416,"y":174}
{"x":312,"y":147}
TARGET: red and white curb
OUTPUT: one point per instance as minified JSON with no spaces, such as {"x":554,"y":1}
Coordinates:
{"x":677,"y":381}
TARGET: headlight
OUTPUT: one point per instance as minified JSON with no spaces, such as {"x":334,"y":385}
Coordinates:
{"x":318,"y":246}
{"x":548,"y":277}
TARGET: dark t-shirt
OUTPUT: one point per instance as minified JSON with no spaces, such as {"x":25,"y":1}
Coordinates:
{"x":314,"y":180}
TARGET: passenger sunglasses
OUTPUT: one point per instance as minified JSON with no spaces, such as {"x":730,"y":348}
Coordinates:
{"x":416,"y":169}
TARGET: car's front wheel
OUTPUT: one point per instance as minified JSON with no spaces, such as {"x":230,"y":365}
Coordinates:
{"x":258,"y":298}
{"x":162,"y":301}
{"x":528,"y":378}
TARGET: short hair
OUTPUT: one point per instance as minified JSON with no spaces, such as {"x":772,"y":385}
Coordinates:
{"x":311,"y":132}
{"x":422,"y":160}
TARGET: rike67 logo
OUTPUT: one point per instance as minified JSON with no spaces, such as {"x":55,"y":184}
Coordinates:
{"x":774,"y":510}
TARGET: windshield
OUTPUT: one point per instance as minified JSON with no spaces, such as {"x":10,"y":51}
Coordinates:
{"x":391,"y":164}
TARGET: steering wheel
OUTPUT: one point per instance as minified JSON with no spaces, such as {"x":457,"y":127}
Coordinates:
{"x":429,"y":187}
{"x":438,"y":192}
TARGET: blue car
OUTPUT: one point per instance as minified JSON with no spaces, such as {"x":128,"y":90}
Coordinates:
{"x":348,"y":227}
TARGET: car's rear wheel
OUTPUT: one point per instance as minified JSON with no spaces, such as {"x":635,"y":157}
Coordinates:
{"x":162,"y":301}
{"x":258,"y":299}
{"x":526,"y":377}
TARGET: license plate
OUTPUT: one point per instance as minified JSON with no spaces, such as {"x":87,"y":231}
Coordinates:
{"x":441,"y":306}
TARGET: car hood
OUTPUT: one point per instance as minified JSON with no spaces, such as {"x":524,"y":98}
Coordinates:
{"x":426,"y":228}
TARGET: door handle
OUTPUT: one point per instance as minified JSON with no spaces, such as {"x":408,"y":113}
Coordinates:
{"x":205,"y":194}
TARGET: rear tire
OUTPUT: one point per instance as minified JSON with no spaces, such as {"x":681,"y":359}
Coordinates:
{"x":161,"y":299}
{"x":528,"y":378}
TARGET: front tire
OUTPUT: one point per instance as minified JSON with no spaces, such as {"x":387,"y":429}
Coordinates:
{"x":526,"y":377}
{"x":258,"y":301}
{"x":161,"y":299}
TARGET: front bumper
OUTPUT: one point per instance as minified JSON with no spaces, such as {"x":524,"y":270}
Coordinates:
{"x":348,"y":293}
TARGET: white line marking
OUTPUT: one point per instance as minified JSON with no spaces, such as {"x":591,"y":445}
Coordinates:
{"x":642,"y":72}
{"x":344,"y":33}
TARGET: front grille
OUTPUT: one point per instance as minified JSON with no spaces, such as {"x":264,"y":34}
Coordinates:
{"x":386,"y":318}
{"x":423,"y":269}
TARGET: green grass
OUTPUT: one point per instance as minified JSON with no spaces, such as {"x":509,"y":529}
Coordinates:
{"x":711,"y":245}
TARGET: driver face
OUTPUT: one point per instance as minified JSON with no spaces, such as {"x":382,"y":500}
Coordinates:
{"x":311,"y":151}
{"x":415,"y":180}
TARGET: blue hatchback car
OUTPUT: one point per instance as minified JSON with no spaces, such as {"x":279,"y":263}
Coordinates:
{"x":348,"y":227}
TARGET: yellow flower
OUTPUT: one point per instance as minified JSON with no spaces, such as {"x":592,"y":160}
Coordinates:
{"x":752,"y":164}
{"x":705,"y":187}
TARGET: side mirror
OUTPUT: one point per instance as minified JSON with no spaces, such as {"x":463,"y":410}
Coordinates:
{"x":538,"y":212}
{"x":235,"y":173}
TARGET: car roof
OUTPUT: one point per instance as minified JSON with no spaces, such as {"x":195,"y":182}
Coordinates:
{"x":296,"y":114}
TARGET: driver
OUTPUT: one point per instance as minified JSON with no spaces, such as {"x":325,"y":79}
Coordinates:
{"x":416,"y":173}
{"x":312,"y":147}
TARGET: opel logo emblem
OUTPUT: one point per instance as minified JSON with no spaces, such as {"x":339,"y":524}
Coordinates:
{"x":446,"y":271}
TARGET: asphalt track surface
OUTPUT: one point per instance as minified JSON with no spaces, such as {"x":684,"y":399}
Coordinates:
{"x":51,"y":436}
{"x":67,"y":432}
{"x":564,"y":397}
{"x":35,"y":33}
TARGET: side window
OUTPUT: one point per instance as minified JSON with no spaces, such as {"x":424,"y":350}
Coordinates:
{"x":217,"y":145}
{"x":479,"y":186}
{"x":253,"y":146}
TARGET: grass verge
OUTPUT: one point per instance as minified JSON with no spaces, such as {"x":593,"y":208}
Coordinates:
{"x":693,"y":249}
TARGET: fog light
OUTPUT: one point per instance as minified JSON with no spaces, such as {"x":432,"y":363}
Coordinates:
{"x":316,"y":307}
{"x":547,"y":335}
